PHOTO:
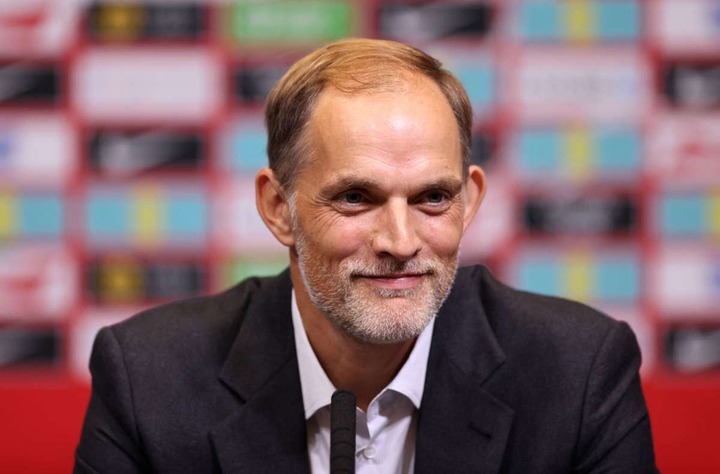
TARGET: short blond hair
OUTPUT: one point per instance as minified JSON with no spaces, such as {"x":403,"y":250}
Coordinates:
{"x":350,"y":66}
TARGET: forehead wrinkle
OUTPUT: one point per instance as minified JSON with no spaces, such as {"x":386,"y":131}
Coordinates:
{"x":387,"y":134}
{"x":334,"y":103}
{"x":371,"y":144}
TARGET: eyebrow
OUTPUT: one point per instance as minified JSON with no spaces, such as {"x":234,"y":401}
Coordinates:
{"x":351,"y":181}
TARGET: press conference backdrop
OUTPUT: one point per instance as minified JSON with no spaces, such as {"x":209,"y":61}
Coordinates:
{"x":130,"y":133}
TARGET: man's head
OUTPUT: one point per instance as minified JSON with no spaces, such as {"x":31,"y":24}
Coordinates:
{"x":371,"y":191}
{"x":351,"y":66}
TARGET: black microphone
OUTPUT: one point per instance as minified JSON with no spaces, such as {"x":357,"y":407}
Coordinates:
{"x":342,"y":432}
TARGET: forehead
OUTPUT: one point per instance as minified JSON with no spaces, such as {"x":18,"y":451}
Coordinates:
{"x":406,"y":126}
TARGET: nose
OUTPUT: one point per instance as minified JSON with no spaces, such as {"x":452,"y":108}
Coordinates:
{"x":396,"y":235}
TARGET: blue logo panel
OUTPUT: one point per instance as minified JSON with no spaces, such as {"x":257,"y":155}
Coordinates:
{"x":682,"y":216}
{"x":108,"y":216}
{"x":41,"y":216}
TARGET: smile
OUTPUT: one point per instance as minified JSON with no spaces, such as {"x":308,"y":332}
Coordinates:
{"x":403,"y":281}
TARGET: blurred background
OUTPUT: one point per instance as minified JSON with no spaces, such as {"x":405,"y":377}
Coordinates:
{"x":130,"y":133}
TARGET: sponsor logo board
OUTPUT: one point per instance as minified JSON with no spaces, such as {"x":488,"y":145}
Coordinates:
{"x":688,"y":214}
{"x":685,"y":282}
{"x":577,"y":154}
{"x":37,"y":282}
{"x":685,"y":146}
{"x":434,"y":21}
{"x":37,"y":27}
{"x":578,"y":21}
{"x":32,"y":215}
{"x":129,"y":279}
{"x":590,"y":276}
{"x":131,"y":153}
{"x":146,"y":215}
{"x":291,"y":23}
{"x":692,"y":86}
{"x":562,"y":84}
{"x":669,"y":25}
{"x":693,"y":348}
{"x":579,"y":215}
{"x":23,"y":347}
{"x":36,"y":150}
{"x":29,"y":84}
{"x":148,"y":85}
{"x":132,"y":21}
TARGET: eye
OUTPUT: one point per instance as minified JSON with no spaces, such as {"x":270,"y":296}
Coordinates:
{"x":435,"y":201}
{"x":435,"y":197}
{"x":352,"y":197}
{"x":351,"y":201}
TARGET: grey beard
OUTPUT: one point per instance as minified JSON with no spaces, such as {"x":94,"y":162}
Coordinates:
{"x":362,"y":321}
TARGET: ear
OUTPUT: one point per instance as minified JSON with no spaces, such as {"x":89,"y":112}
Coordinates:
{"x":474,"y":193}
{"x":273,"y":207}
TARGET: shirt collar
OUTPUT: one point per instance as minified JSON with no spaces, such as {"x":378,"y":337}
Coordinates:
{"x":317,"y":389}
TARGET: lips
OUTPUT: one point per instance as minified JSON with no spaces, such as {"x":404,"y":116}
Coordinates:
{"x":400,"y":281}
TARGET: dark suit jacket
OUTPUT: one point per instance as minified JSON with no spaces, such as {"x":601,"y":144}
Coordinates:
{"x":516,"y":383}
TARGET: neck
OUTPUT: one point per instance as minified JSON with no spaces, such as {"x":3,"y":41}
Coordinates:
{"x":363,"y":368}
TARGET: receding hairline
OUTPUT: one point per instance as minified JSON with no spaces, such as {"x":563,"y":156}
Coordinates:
{"x":352,"y":66}
{"x":341,"y":70}
{"x":408,"y":82}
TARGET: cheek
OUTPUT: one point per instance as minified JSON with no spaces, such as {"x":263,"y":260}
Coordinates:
{"x":339,"y":237}
{"x":441,"y":235}
{"x":444,"y":243}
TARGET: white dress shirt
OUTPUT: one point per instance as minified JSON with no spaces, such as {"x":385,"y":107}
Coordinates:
{"x":385,"y":435}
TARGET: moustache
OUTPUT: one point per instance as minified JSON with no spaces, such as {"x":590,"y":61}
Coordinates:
{"x":359,"y":268}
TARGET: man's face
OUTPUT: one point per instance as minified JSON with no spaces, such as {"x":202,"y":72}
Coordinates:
{"x":379,"y":211}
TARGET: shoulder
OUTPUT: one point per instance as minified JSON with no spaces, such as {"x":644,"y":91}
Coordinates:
{"x":205,"y":324}
{"x":563,"y":352}
{"x":541,"y":335}
{"x":569,"y":373}
{"x":510,"y":311}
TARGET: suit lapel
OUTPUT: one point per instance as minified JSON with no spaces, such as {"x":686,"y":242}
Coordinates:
{"x":267,"y":432}
{"x":461,"y":426}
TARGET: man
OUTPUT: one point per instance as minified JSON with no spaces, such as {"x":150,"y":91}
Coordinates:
{"x":370,"y":188}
